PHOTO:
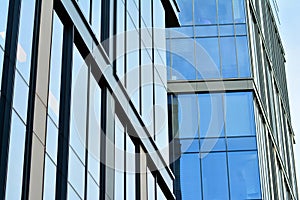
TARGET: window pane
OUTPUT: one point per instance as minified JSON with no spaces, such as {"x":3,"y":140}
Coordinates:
{"x":241,"y":143}
{"x":189,"y":145}
{"x":186,"y":12}
{"x":205,"y":12}
{"x":93,"y":190}
{"x":20,"y":99}
{"x":239,"y":11}
{"x":72,"y":194}
{"x":1,"y":67}
{"x":244,"y":175}
{"x":243,"y":56}
{"x":49,"y":179}
{"x":120,"y":40}
{"x":207,"y":58}
{"x":226,"y":30}
{"x":15,"y":158}
{"x":214,"y":174}
{"x":25,"y":38}
{"x":85,"y":8}
{"x":55,"y":68}
{"x":150,"y":185}
{"x":229,"y":66}
{"x":160,"y":194}
{"x":3,"y":21}
{"x":225,"y":11}
{"x":211,"y":115}
{"x":130,"y":169}
{"x":76,"y":173}
{"x":146,"y":14}
{"x":187,"y":116}
{"x":96,"y":17}
{"x":201,"y":31}
{"x":239,"y":108}
{"x":52,"y":139}
{"x":189,"y":169}
{"x":213,"y":144}
{"x":183,"y":66}
{"x":240,"y":29}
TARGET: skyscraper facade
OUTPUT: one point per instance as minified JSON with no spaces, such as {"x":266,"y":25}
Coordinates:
{"x":228,"y":103}
{"x":83,"y":105}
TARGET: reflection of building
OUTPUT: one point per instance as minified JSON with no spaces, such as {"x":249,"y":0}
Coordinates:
{"x":68,"y":129}
{"x":231,"y":117}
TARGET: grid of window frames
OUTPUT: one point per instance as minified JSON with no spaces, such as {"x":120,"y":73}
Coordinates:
{"x":211,"y":29}
{"x":219,"y":154}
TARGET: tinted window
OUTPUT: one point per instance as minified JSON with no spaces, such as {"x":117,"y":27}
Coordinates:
{"x":49,"y":179}
{"x":229,"y":66}
{"x":225,"y":11}
{"x":20,"y":96}
{"x":243,"y":56}
{"x":186,"y":14}
{"x":3,"y":21}
{"x":205,"y":12}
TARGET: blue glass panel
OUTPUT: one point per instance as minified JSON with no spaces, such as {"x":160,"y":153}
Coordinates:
{"x":49,"y":179}
{"x":189,"y":170}
{"x":243,"y":56}
{"x":1,"y":66}
{"x":228,"y":56}
{"x":213,"y":144}
{"x":214,"y":176}
{"x":25,"y":38}
{"x":20,"y":99}
{"x":239,"y":108}
{"x":207,"y":58}
{"x":85,"y":8}
{"x":120,"y":40}
{"x":150,"y":185}
{"x":202,"y":31}
{"x":181,"y":32}
{"x":15,"y":158}
{"x":186,"y":12}
{"x":187,"y":116}
{"x":3,"y":21}
{"x":241,"y":143}
{"x":146,"y":14}
{"x":244,"y":175}
{"x":133,"y":12}
{"x":52,"y":139}
{"x":240,"y":29}
{"x":159,"y":14}
{"x":225,"y":13}
{"x":205,"y":12}
{"x":76,"y":173}
{"x":96,"y":17}
{"x":188,"y":146}
{"x":182,"y":59}
{"x":239,"y":11}
{"x":55,"y":68}
{"x":226,"y":30}
{"x":72,"y":195}
{"x":93,"y":190}
{"x":211,"y":115}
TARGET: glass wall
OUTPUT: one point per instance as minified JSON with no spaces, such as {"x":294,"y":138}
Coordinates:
{"x":210,"y":29}
{"x":219,"y":154}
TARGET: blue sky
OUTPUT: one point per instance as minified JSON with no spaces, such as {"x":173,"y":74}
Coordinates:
{"x":290,"y":30}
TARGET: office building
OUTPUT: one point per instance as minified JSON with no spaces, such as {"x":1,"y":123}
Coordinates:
{"x":228,"y":102}
{"x":79,"y":118}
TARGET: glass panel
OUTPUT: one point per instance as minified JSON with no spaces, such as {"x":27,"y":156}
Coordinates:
{"x":25,"y":38}
{"x":120,"y":40}
{"x":244,"y":175}
{"x":181,"y":32}
{"x":160,"y":194}
{"x":76,"y":174}
{"x":205,"y":12}
{"x":49,"y":179}
{"x":85,"y":8}
{"x":189,"y":169}
{"x":225,"y":12}
{"x":79,"y":105}
{"x":211,"y":115}
{"x":96,"y":17}
{"x":214,"y":174}
{"x":213,"y":144}
{"x":52,"y":139}
{"x":239,"y":11}
{"x":119,"y":160}
{"x":159,"y":14}
{"x":189,"y":146}
{"x":183,"y":66}
{"x":55,"y":68}
{"x":146,"y":13}
{"x":3,"y":21}
{"x":1,"y":66}
{"x":241,"y":143}
{"x":207,"y":58}
{"x":202,"y":31}
{"x":15,"y":158}
{"x":150,"y":185}
{"x":186,"y":12}
{"x":94,"y":129}
{"x":93,"y":190}
{"x":130,"y":169}
{"x":243,"y":56}
{"x":20,"y":96}
{"x":226,"y":30}
{"x":240,"y":29}
{"x":187,"y":116}
{"x":72,"y":195}
{"x":133,"y":12}
{"x":229,"y":66}
{"x":239,"y":108}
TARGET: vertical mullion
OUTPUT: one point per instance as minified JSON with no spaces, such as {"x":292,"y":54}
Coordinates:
{"x":7,"y":88}
{"x":64,"y":114}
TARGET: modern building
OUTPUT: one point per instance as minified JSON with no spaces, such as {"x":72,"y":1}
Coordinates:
{"x":228,"y":102}
{"x":79,"y":119}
